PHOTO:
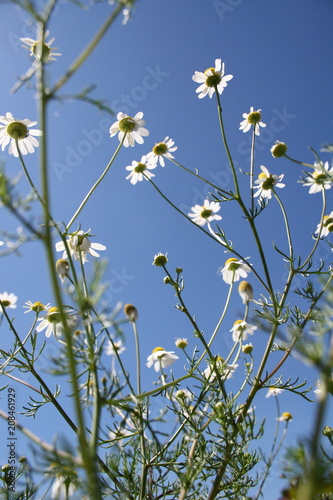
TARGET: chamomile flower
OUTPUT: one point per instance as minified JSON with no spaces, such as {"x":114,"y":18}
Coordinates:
{"x":245,"y":291}
{"x":79,"y":246}
{"x":266,"y":182}
{"x":211,"y":79}
{"x":252,"y":118}
{"x":41,"y":51}
{"x":8,"y":300}
{"x":273,"y":391}
{"x":52,"y":322}
{"x":130,"y":128}
{"x":234,"y":270}
{"x":62,"y":268}
{"x":241,"y":329}
{"x":285,"y":417}
{"x":161,"y":358}
{"x":163,"y":150}
{"x":112,"y":348}
{"x":326,"y":226}
{"x":12,"y":130}
{"x":203,"y":214}
{"x":321,"y":178}
{"x":225,"y":370}
{"x":141,"y":170}
{"x":64,"y":486}
{"x":36,"y":307}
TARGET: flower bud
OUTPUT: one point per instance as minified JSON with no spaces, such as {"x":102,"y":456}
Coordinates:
{"x":181,"y":343}
{"x":160,"y":259}
{"x":245,"y":290}
{"x":131,"y":312}
{"x":247,"y":348}
{"x":279,"y":149}
{"x":62,"y":268}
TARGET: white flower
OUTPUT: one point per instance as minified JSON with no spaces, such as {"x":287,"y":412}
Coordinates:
{"x":112,"y":348}
{"x":327,"y":226}
{"x":245,"y":291}
{"x":212,"y":78}
{"x":241,"y":330}
{"x":252,"y":118}
{"x":36,"y":307}
{"x":181,"y":343}
{"x":161,"y":358}
{"x":52,"y":322}
{"x":62,"y":268}
{"x":79,"y":246}
{"x":141,"y":170}
{"x":273,"y":391}
{"x":62,"y":488}
{"x":42,"y":50}
{"x":8,"y":300}
{"x":285,"y":417}
{"x":234,"y":270}
{"x":202,"y":214}
{"x":163,"y":149}
{"x":132,"y":127}
{"x":266,"y":182}
{"x":320,"y":179}
{"x":226,"y":371}
{"x":12,"y":130}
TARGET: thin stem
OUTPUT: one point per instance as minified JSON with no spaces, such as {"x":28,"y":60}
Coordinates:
{"x":252,"y":167}
{"x":286,"y":222}
{"x":92,"y":189}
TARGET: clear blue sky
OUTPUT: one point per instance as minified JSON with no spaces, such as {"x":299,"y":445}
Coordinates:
{"x":280,"y":54}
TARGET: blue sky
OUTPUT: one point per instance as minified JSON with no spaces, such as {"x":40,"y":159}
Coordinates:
{"x":280,"y":55}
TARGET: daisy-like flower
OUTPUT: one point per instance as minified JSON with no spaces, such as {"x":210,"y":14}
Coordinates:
{"x":41,"y":50}
{"x":181,"y":343}
{"x":273,"y":391}
{"x":52,"y":322}
{"x":36,"y":307}
{"x":8,"y":300}
{"x":63,"y":487}
{"x":321,"y":178}
{"x":160,"y":259}
{"x":225,"y":370}
{"x":163,"y":149}
{"x":12,"y":130}
{"x":79,"y":246}
{"x":266,"y":182}
{"x":285,"y":417}
{"x":131,"y":127}
{"x":111,"y":349}
{"x":327,"y":226}
{"x":62,"y":268}
{"x":203,"y":214}
{"x":252,"y":118}
{"x":211,"y":79}
{"x":161,"y":358}
{"x":141,"y":170}
{"x":245,"y":291}
{"x":279,"y":149}
{"x":241,"y":330}
{"x":247,"y":348}
{"x":234,"y":269}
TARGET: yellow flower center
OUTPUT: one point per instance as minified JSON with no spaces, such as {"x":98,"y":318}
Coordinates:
{"x":238,"y":322}
{"x":17,"y":130}
{"x":160,"y":149}
{"x":54,"y":315}
{"x":214,"y":79}
{"x":327,"y":220}
{"x":37,"y":307}
{"x":254,"y":117}
{"x":206,"y":213}
{"x":319,"y":177}
{"x":5,"y":303}
{"x":268,"y":183}
{"x":232,"y":264}
{"x":127,"y":125}
{"x":141,"y":167}
{"x":157,"y":349}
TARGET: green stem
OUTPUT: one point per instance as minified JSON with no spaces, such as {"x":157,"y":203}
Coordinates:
{"x":92,"y":189}
{"x":252,"y":168}
{"x":286,"y":222}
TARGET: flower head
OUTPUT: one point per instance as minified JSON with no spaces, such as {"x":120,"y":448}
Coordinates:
{"x":273,"y":391}
{"x":79,"y":246}
{"x":130,"y":128}
{"x":41,"y":50}
{"x":252,"y":118}
{"x":223,"y":369}
{"x":8,"y":300}
{"x":163,"y":150}
{"x":241,"y":330}
{"x":160,"y":259}
{"x":279,"y":149}
{"x":321,"y":178}
{"x":203,"y":214}
{"x":247,"y":348}
{"x":141,"y":170}
{"x":111,"y":348}
{"x":211,"y":79}
{"x":62,"y":268}
{"x":234,"y":270}
{"x":12,"y":130}
{"x":183,"y":396}
{"x":36,"y":307}
{"x":266,"y":182}
{"x":285,"y":417}
{"x":181,"y":343}
{"x":161,"y":358}
{"x":245,"y":291}
{"x":131,"y":312}
{"x":326,"y":226}
{"x":52,"y":322}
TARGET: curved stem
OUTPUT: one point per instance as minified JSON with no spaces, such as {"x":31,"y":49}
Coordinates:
{"x":291,"y":252}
